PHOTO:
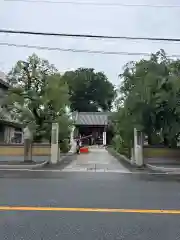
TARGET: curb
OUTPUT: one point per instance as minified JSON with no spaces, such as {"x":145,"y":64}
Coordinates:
{"x":163,"y":169}
{"x":36,"y":165}
{"x":121,"y":158}
{"x":62,"y":163}
{"x":118,"y":155}
{"x":125,"y":161}
{"x":25,"y":167}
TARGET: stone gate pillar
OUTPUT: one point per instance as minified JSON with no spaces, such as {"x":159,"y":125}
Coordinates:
{"x":104,"y":138}
{"x":72,"y":141}
{"x":55,"y":151}
{"x":138,"y":147}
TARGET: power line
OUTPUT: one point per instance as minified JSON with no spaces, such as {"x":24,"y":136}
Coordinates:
{"x":70,"y":49}
{"x":88,"y":36}
{"x":113,"y":4}
{"x":79,"y":50}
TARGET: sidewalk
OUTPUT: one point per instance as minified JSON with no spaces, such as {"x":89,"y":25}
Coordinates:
{"x":22,"y":165}
{"x":164,"y":165}
{"x":20,"y":159}
{"x":17,"y":162}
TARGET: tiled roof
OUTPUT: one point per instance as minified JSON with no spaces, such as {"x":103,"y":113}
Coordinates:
{"x":91,"y":118}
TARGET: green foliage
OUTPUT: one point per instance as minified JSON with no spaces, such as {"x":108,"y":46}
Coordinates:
{"x":90,"y":91}
{"x":123,"y":132}
{"x":150,"y":98}
{"x":38,"y":97}
{"x":117,"y":143}
{"x":64,"y":146}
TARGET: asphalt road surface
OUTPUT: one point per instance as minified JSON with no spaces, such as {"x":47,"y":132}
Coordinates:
{"x":48,"y":205}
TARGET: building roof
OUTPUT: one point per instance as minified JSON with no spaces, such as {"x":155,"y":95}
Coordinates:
{"x":91,"y":118}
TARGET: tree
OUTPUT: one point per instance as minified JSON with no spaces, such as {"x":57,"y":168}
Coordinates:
{"x":150,"y":91}
{"x":123,"y":131}
{"x":38,"y":96}
{"x":90,"y":91}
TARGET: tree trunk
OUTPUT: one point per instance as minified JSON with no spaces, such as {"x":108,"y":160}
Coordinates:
{"x":149,"y":139}
{"x":27,"y":150}
{"x":166,"y":142}
{"x":174,"y":143}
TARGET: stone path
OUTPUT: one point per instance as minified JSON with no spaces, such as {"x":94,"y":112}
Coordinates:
{"x":97,"y":160}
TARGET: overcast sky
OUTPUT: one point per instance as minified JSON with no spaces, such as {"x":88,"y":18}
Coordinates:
{"x":67,"y":18}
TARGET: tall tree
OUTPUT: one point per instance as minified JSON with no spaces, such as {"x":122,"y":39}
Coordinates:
{"x":90,"y":91}
{"x":38,"y":96}
{"x":151,"y":96}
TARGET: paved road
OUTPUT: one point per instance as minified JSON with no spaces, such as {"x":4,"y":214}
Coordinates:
{"x":98,"y":160}
{"x":70,"y":198}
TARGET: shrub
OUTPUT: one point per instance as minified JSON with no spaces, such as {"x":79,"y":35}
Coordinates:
{"x":64,"y":146}
{"x":120,"y":146}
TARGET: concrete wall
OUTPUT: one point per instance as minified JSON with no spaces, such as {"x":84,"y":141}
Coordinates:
{"x":18,"y":150}
{"x":160,"y":152}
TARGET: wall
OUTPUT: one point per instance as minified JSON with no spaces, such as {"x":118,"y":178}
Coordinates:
{"x":2,"y":128}
{"x":8,"y":134}
{"x":18,"y":150}
{"x":161,"y":153}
